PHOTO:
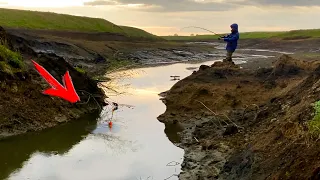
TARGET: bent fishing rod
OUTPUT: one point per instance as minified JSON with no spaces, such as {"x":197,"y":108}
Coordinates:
{"x":202,"y":29}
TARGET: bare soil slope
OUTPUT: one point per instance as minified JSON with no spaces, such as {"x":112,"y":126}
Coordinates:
{"x":244,"y":124}
{"x":24,"y":108}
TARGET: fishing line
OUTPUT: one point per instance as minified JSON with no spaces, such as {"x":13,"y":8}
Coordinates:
{"x":200,"y":28}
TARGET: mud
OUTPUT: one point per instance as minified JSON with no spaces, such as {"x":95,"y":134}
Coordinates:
{"x":247,"y":124}
{"x":97,"y":52}
{"x":275,"y":44}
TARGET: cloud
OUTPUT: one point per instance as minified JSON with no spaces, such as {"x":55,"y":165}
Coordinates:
{"x":201,"y":5}
{"x":281,"y":2}
{"x":100,"y":3}
{"x":170,"y":5}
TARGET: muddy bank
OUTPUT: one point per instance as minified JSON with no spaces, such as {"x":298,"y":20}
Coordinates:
{"x":23,"y":106}
{"x":94,"y":53}
{"x":286,"y":45}
{"x":247,"y":124}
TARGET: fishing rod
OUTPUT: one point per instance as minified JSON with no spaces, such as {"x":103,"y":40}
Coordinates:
{"x":202,"y":29}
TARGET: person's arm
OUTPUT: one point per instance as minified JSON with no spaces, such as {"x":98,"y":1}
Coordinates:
{"x":231,"y":38}
{"x":223,"y":37}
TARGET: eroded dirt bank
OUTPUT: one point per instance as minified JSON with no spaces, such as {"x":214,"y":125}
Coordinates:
{"x":96,"y":52}
{"x":23,"y":107}
{"x":247,"y":124}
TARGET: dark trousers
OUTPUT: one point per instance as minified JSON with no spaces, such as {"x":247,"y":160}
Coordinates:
{"x":229,"y":56}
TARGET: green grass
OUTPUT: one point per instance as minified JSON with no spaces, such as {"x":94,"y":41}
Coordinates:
{"x":52,"y":21}
{"x":314,"y":124}
{"x":307,"y":33}
{"x":135,"y":32}
{"x":294,"y":34}
{"x":10,"y":62}
{"x":80,"y":70}
{"x":4,"y":67}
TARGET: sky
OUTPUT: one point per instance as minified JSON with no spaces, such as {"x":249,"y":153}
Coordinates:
{"x":168,"y":17}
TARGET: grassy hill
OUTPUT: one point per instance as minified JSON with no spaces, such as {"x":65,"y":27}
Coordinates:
{"x":52,"y":21}
{"x":294,"y":34}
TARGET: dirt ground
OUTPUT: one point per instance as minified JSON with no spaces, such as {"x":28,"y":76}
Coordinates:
{"x":247,"y":124}
{"x":97,"y":52}
{"x":23,"y":106}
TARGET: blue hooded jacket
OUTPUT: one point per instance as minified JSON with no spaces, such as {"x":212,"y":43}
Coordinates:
{"x":232,"y":39}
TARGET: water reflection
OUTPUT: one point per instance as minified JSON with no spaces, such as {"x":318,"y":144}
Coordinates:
{"x":15,"y":150}
{"x":171,"y":131}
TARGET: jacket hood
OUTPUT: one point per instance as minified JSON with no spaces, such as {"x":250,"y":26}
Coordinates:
{"x":234,"y":26}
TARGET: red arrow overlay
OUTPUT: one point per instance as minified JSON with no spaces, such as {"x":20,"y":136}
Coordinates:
{"x":66,"y":92}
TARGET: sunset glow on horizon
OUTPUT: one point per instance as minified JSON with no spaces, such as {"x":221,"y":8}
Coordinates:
{"x":160,"y":18}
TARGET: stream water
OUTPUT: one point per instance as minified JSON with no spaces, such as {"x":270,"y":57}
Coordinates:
{"x":137,"y":147}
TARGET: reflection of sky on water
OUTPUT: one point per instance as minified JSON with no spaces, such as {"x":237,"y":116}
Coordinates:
{"x":135,"y":147}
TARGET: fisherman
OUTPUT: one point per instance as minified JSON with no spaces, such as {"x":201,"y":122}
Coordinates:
{"x":232,"y":42}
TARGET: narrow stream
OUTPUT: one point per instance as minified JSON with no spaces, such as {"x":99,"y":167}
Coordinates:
{"x":137,"y":147}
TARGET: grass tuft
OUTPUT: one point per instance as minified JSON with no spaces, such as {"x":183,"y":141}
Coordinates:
{"x":10,"y":61}
{"x":314,"y":124}
{"x":80,"y":70}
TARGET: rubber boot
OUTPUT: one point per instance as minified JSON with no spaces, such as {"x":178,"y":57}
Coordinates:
{"x":227,"y":60}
